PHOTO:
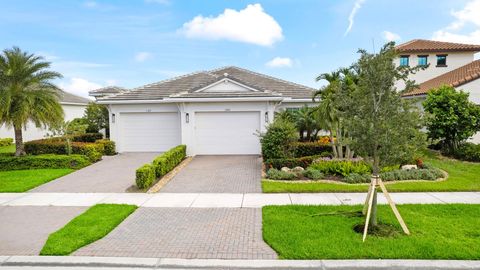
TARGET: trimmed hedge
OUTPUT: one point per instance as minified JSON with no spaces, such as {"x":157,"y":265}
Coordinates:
{"x":58,"y":146}
{"x":341,"y":167}
{"x":8,"y":163}
{"x":145,"y":176}
{"x":303,"y":149}
{"x":108,"y":146}
{"x":278,"y":163}
{"x":87,"y":137}
{"x":6,"y":141}
{"x":275,"y":174}
{"x":414,"y":174}
{"x":168,"y":160}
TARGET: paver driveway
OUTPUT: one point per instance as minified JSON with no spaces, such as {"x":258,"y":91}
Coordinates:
{"x":112,"y":174}
{"x":220,"y":233}
{"x":24,"y":229}
{"x":218,"y":174}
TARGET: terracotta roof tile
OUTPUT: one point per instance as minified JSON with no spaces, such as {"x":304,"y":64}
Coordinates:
{"x":456,"y":77}
{"x":422,"y":45}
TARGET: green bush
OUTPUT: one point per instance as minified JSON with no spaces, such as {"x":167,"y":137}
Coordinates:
{"x":276,"y":142}
{"x":58,"y":146}
{"x":354,"y":178}
{"x":468,"y":152}
{"x":275,"y":174}
{"x":145,"y":176}
{"x":8,"y":163}
{"x":108,"y":146}
{"x":303,"y":149}
{"x":279,"y":163}
{"x":341,"y":167}
{"x":313,"y":174}
{"x":169,"y":160}
{"x":6,"y":141}
{"x":87,"y":137}
{"x":92,"y":150}
{"x":414,"y":174}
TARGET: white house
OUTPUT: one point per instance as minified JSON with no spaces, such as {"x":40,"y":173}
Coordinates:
{"x":73,"y":107}
{"x":216,"y":112}
{"x":448,"y":63}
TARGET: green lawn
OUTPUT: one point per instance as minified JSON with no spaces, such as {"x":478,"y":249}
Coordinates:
{"x":23,"y":180}
{"x":463,"y":176}
{"x":437,"y":232}
{"x":7,"y":149}
{"x":86,"y":228}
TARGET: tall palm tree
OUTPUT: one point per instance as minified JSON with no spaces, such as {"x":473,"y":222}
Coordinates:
{"x":27,"y":93}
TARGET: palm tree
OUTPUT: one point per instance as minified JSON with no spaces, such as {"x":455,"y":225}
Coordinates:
{"x":27,"y":93}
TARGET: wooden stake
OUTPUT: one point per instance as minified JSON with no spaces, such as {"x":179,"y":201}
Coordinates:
{"x":365,"y":205}
{"x":393,"y":206}
{"x":369,"y":211}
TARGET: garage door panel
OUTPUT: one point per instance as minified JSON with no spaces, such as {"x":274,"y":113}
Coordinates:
{"x":149,"y":132}
{"x":227,"y":133}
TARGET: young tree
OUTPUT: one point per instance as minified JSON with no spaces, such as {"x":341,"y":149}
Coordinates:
{"x":27,"y":93}
{"x":452,"y":117}
{"x":96,"y":116}
{"x":385,"y":128}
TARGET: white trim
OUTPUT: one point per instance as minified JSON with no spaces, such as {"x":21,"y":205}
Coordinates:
{"x":224,"y":81}
{"x":181,"y":100}
{"x":73,"y":103}
{"x":286,"y":100}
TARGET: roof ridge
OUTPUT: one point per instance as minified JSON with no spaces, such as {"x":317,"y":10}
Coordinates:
{"x":265,"y":76}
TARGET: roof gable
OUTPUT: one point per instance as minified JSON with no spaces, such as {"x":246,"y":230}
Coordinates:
{"x":423,"y":45}
{"x":226,"y":85}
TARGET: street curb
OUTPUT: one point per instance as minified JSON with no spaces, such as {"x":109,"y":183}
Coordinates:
{"x":159,"y":263}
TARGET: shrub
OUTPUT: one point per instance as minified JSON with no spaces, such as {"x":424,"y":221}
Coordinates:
{"x":341,"y":167}
{"x":58,"y":146}
{"x":108,"y":146}
{"x":145,"y":176}
{"x":468,"y":152}
{"x":276,"y":142}
{"x":87,"y":137}
{"x":390,"y":168}
{"x":168,"y":160}
{"x":302,"y":149}
{"x":354,"y":178}
{"x":415,"y":174}
{"x":280,"y":175}
{"x":6,"y":141}
{"x":92,"y":150}
{"x":8,"y":163}
{"x":313,"y":174}
{"x":279,"y":163}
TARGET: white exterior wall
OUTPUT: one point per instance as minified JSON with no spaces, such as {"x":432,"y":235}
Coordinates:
{"x":33,"y":133}
{"x":473,"y":88}
{"x":454,"y":61}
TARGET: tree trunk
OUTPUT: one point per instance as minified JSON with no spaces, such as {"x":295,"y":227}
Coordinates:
{"x":339,"y":143}
{"x":19,"y":147}
{"x":332,"y":143}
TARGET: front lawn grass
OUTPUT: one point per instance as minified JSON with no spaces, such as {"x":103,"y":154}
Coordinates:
{"x":462,"y":176}
{"x":23,"y":180}
{"x":437,"y":232}
{"x":7,"y":149}
{"x":86,"y":228}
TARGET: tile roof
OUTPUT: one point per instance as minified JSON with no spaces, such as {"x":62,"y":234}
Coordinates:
{"x":422,"y":45}
{"x":189,"y":83}
{"x":108,"y":90}
{"x":456,"y":77}
{"x":66,"y":97}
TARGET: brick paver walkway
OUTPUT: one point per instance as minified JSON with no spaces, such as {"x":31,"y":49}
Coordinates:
{"x":186,"y":233}
{"x":112,"y":174}
{"x":218,"y":174}
{"x":24,"y":229}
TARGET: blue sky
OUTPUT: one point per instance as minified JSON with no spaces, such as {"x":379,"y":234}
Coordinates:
{"x":95,"y":43}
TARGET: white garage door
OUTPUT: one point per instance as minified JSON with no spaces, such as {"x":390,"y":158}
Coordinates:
{"x":149,"y":132}
{"x":227,"y":133}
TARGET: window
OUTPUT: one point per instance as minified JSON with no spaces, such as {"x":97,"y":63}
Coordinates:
{"x":422,"y":60}
{"x":404,"y":60}
{"x":441,"y":60}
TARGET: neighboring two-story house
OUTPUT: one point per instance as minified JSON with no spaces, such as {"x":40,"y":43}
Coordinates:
{"x":448,"y":63}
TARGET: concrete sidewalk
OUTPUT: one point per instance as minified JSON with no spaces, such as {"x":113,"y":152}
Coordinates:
{"x":227,"y":200}
{"x":74,"y":262}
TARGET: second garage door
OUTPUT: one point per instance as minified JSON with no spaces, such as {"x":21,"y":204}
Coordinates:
{"x":149,"y":132}
{"x":227,"y":133}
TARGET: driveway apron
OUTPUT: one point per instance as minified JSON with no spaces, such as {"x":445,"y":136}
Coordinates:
{"x":218,"y":174}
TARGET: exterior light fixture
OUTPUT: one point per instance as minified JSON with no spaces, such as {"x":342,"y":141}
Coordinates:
{"x":113,"y":118}
{"x":187,"y":118}
{"x":266,"y":117}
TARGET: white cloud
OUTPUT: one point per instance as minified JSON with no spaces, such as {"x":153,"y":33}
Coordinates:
{"x":79,"y":86}
{"x":249,"y":25}
{"x":351,"y":17}
{"x":279,"y":62}
{"x":142,"y":56}
{"x":468,"y":16}
{"x":390,"y":36}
